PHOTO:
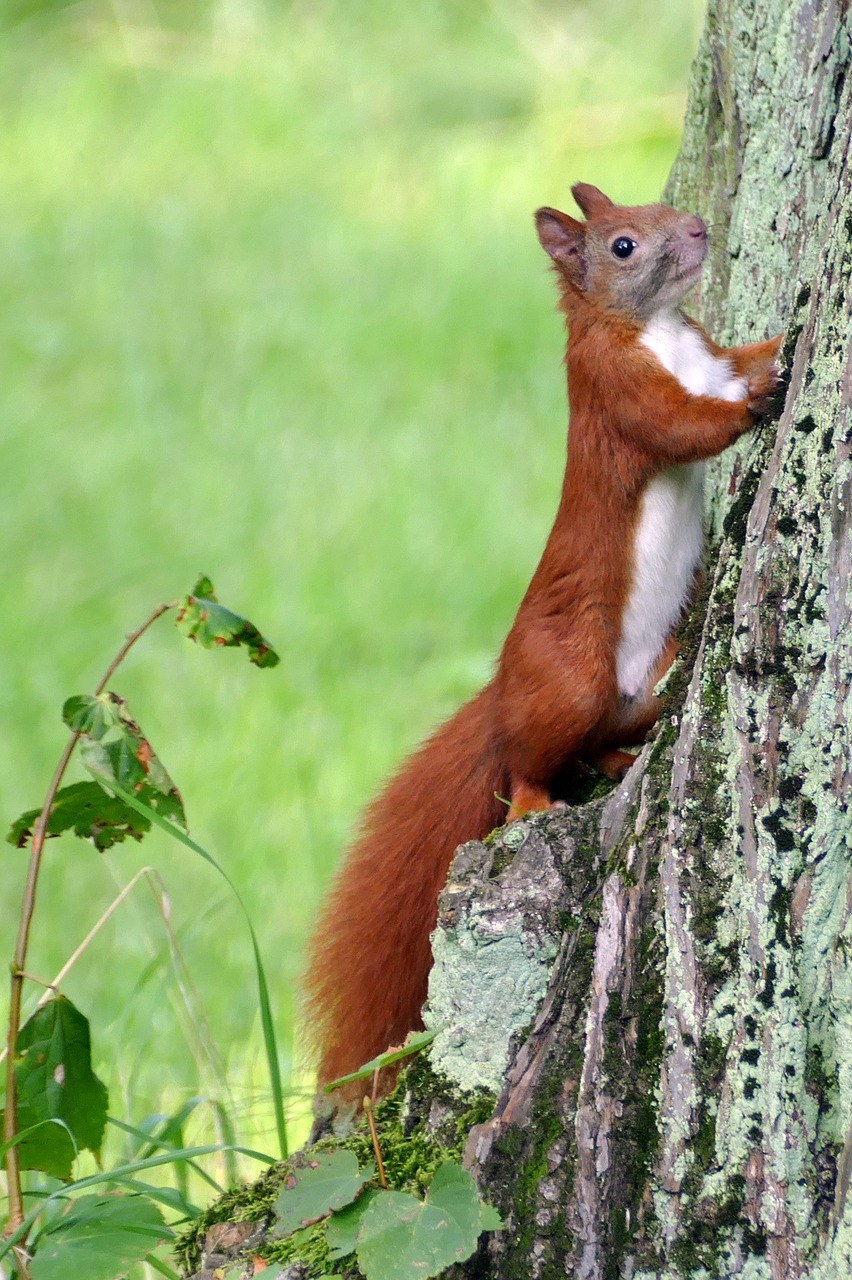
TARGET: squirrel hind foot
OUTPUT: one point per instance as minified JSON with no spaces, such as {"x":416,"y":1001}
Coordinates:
{"x":614,"y":764}
{"x":528,"y":797}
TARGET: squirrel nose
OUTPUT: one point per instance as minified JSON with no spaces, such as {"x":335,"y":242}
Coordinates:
{"x":696,"y":228}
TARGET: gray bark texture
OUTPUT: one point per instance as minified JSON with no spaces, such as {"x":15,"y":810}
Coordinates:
{"x":654,"y":988}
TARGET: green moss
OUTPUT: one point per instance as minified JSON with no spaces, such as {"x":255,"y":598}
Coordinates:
{"x":309,"y":1247}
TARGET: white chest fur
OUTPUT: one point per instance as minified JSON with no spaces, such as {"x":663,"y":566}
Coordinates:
{"x":670,"y":531}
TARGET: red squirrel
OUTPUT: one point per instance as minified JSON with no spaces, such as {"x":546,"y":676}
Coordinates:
{"x":651,"y":397}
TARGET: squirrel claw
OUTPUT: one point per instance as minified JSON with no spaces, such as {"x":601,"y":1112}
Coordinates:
{"x":763,"y":393}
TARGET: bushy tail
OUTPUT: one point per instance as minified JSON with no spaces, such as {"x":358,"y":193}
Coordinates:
{"x":370,"y":956}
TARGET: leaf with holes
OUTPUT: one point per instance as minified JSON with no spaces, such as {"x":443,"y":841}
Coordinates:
{"x":55,"y":1081}
{"x":326,"y":1181}
{"x":401,"y":1236}
{"x":99,"y":1237}
{"x":114,"y":749}
{"x":87,"y":810}
{"x":202,"y":618}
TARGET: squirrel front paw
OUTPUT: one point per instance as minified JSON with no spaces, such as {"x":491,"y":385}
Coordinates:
{"x":763,"y":393}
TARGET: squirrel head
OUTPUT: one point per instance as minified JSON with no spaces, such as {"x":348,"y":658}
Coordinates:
{"x":632,"y":260}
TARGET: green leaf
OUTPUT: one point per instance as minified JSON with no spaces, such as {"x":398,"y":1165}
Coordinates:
{"x":99,"y":1237}
{"x":328,"y":1180}
{"x":416,"y":1041}
{"x":210,"y":624}
{"x":89,"y":713}
{"x":23,"y":1134}
{"x":116,"y":751}
{"x":342,"y":1231}
{"x":90,"y":812}
{"x":55,"y":1081}
{"x":204,"y":588}
{"x":491,"y":1220}
{"x":116,"y":1175}
{"x":401,"y":1236}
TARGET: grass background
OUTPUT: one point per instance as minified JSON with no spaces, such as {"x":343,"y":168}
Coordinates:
{"x":272,"y":308}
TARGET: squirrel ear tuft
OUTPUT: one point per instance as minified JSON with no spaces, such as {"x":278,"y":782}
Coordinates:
{"x":590,"y":199}
{"x":562,"y":237}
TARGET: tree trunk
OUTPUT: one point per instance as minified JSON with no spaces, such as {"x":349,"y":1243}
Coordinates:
{"x":681,"y":1105}
{"x":656,"y":985}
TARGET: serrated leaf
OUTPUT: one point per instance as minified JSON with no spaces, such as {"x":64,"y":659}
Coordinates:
{"x":342,"y":1231}
{"x":114,"y":749}
{"x":415,"y":1041}
{"x":328,"y":1180}
{"x":401,"y":1236}
{"x":90,"y":812}
{"x":55,"y":1081}
{"x":118,"y":751}
{"x":203,"y":619}
{"x":99,"y":1238}
{"x":491,"y":1220}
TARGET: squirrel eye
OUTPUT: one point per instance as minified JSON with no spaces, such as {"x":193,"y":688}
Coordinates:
{"x":623,"y":247}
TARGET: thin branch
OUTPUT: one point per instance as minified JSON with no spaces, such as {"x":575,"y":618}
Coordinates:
{"x":50,"y":987}
{"x":10,"y":1119}
{"x":78,"y":951}
{"x":369,"y":1105}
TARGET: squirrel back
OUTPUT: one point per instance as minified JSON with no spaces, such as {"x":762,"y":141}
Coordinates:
{"x":651,"y":397}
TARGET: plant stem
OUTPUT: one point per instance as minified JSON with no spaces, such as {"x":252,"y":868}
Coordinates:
{"x":369,"y":1105}
{"x":10,"y":1119}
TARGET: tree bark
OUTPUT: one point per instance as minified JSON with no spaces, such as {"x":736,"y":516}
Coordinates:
{"x":655,"y":986}
{"x":681,"y":1105}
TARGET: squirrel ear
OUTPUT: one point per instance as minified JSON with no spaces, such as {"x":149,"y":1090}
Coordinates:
{"x":562,"y":237}
{"x":590,"y":199}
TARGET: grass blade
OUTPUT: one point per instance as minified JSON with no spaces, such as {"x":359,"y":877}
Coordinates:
{"x":159,"y":1143}
{"x":157,"y":1264}
{"x":269,"y":1040}
{"x":169,"y":1197}
{"x":117,"y":1174}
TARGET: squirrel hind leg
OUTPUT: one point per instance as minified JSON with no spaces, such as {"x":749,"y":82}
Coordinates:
{"x":631,"y":726}
{"x":527,"y":797}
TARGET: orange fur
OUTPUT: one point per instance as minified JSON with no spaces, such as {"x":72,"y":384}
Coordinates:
{"x":371,"y":954}
{"x":554,"y":698}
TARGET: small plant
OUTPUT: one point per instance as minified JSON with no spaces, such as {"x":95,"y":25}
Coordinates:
{"x":394,"y":1235}
{"x":55,"y":1106}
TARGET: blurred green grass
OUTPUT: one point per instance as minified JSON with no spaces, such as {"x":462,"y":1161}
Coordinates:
{"x":271,"y":307}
